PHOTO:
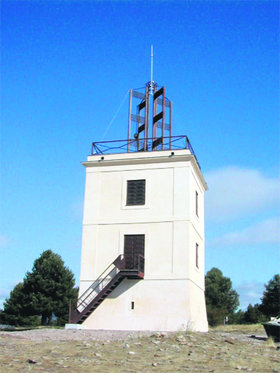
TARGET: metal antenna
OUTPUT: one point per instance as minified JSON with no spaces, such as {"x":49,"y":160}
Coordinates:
{"x":152,"y":61}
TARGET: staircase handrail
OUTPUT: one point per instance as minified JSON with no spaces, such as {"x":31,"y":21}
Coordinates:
{"x":92,"y":289}
{"x":116,"y":271}
{"x":82,"y":299}
{"x":141,"y":263}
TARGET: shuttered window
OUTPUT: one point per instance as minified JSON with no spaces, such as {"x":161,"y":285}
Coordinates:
{"x":196,"y":203}
{"x":196,"y":255}
{"x":135,"y":192}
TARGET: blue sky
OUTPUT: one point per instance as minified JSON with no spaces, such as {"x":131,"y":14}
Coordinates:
{"x":66,"y":67}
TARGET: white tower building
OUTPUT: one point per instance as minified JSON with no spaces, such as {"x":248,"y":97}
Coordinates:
{"x":142,"y":264}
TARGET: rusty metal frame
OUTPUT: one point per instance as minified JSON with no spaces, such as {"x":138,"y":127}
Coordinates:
{"x":144,"y":104}
{"x":146,"y":133}
{"x":170,"y":124}
{"x":155,"y":102}
{"x":159,"y":116}
{"x":129,"y":119}
{"x":142,"y":119}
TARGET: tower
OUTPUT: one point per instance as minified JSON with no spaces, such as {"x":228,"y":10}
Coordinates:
{"x":142,"y":262}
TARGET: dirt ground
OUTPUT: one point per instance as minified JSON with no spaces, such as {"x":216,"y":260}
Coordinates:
{"x":225,"y":349}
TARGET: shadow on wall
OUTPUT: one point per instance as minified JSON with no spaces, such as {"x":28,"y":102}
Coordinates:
{"x":124,"y":286}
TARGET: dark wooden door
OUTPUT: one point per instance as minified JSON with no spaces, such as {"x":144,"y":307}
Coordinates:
{"x":134,"y":245}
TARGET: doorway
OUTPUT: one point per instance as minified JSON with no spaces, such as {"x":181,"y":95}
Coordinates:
{"x":134,"y":245}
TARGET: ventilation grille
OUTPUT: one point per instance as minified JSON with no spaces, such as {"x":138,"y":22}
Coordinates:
{"x":135,"y":192}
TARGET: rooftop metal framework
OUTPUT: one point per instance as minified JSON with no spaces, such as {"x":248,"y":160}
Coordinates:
{"x":144,"y":144}
{"x":146,"y":137}
{"x":161,"y":117}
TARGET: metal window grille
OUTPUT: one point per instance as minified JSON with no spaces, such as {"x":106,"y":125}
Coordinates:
{"x":136,"y":192}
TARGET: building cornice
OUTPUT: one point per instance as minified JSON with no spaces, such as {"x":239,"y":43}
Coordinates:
{"x":124,"y":159}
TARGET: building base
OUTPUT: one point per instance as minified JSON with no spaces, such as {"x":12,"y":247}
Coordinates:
{"x":154,"y":305}
{"x":74,"y":326}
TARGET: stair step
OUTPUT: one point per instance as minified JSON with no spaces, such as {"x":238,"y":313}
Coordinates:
{"x":89,"y":308}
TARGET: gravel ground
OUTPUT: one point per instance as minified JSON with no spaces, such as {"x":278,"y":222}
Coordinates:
{"x":77,"y":335}
{"x":222,"y":350}
{"x":112,"y":335}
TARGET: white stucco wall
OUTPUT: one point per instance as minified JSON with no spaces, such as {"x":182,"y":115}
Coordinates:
{"x":172,"y":293}
{"x":164,"y":305}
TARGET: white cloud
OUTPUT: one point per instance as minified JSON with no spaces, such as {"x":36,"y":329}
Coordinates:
{"x":267,"y":231}
{"x":249,"y":292}
{"x":4,"y":240}
{"x":235,"y":192}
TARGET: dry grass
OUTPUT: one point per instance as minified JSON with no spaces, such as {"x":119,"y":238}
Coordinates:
{"x":222,"y":350}
{"x":270,"y":342}
{"x":246,"y":329}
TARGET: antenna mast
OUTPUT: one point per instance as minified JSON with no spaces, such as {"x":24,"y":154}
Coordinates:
{"x":152,"y":66}
{"x":155,"y":98}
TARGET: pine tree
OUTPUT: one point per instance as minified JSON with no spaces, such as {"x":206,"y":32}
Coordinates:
{"x":270,"y":305}
{"x":16,"y":310}
{"x":45,"y":292}
{"x":221,"y":299}
{"x":253,"y":314}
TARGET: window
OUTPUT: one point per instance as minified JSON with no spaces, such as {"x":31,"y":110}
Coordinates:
{"x":196,"y":255}
{"x":196,"y":203}
{"x":135,"y":192}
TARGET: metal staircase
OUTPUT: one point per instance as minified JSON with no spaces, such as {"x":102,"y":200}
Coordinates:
{"x":104,"y":285}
